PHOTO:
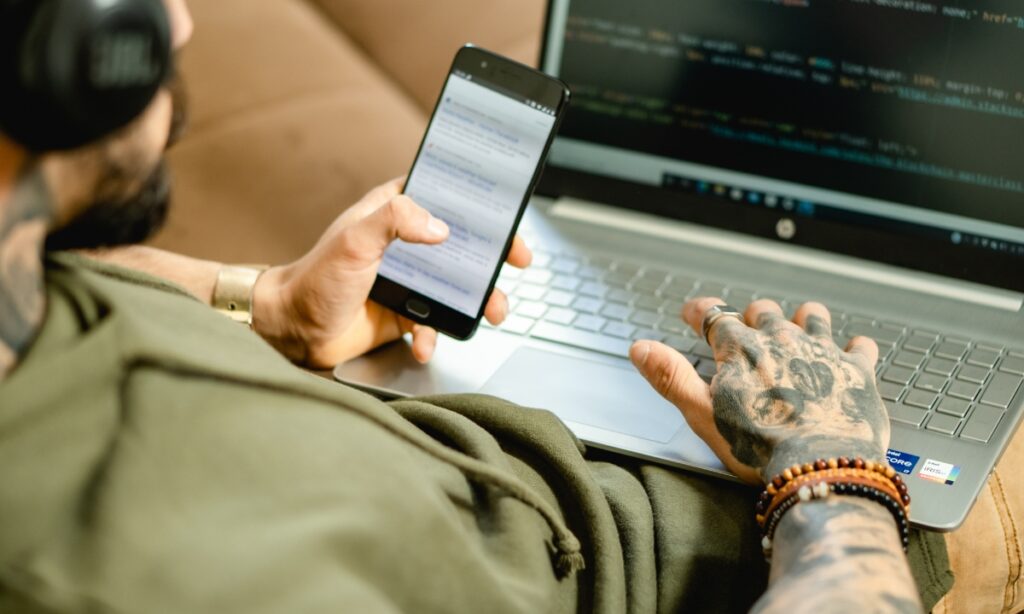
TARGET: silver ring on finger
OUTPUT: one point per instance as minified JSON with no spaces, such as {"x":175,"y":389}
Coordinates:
{"x":716,"y":313}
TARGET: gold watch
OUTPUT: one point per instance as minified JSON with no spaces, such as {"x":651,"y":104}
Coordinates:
{"x":232,"y":296}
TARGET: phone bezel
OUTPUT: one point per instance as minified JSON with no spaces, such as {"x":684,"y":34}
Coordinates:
{"x":518,"y":79}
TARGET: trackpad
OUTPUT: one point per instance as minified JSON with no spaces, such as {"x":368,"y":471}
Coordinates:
{"x":592,"y":393}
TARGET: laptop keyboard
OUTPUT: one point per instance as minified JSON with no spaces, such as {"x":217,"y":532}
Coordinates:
{"x":946,"y":385}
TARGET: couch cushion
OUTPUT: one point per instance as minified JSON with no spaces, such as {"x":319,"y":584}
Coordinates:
{"x":415,"y":41}
{"x":291,"y":124}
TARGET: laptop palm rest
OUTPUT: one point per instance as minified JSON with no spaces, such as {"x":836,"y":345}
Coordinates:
{"x":586,"y":392}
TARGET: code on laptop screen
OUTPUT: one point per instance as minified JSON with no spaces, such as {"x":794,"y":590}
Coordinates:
{"x":915,"y":103}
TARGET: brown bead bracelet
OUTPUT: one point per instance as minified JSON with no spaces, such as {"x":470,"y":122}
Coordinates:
{"x":842,"y":476}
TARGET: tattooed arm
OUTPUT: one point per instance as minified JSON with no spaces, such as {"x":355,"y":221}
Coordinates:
{"x":785,"y":394}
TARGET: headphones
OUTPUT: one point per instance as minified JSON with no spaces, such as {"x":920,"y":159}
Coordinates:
{"x":72,"y":71}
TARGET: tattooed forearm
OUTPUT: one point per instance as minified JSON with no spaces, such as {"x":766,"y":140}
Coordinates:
{"x":841,"y":554}
{"x":25,"y":214}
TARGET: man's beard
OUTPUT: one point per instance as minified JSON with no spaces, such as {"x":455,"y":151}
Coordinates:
{"x":116,"y":218}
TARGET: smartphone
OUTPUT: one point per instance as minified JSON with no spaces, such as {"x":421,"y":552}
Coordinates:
{"x":476,"y":169}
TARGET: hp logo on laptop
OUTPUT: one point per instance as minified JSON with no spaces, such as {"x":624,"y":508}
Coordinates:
{"x":786,"y":229}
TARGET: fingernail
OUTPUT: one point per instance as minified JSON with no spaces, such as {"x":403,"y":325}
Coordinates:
{"x":436,"y":227}
{"x":639,"y":353}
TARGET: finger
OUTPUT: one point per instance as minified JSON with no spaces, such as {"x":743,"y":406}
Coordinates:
{"x":400,"y":218}
{"x":375,"y":199}
{"x":764,"y":314}
{"x":724,"y":332}
{"x":519,"y":255}
{"x":424,"y":340}
{"x":496,"y":309}
{"x":864,"y":348}
{"x":671,"y":375}
{"x":814,"y":318}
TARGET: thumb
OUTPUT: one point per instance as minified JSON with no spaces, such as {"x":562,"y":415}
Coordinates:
{"x":671,"y":375}
{"x":399,"y":218}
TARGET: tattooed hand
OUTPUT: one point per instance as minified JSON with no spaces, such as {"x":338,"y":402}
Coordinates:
{"x":784,"y":392}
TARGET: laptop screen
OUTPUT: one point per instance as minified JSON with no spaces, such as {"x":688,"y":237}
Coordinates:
{"x":889,"y":129}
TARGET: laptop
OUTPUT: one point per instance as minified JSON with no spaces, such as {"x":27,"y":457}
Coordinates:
{"x":865,"y":155}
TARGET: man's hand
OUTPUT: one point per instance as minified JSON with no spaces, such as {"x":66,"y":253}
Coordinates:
{"x":316,"y":310}
{"x":784,"y":392}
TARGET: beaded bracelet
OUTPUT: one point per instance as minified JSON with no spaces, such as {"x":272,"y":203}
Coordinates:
{"x":875,"y":481}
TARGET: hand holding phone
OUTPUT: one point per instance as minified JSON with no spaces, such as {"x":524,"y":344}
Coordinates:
{"x":476,"y":170}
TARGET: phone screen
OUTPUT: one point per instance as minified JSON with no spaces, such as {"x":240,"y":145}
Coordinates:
{"x":474,"y":169}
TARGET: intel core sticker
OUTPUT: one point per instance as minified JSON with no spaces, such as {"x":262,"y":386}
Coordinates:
{"x":902,"y":461}
{"x":940,"y":472}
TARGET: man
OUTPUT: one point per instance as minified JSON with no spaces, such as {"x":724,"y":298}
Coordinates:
{"x":155,"y":457}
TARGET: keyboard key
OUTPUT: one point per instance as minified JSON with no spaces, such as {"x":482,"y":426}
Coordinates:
{"x":905,"y":415}
{"x":890,"y":391}
{"x":982,"y":424}
{"x":898,"y":375}
{"x":614,"y":311}
{"x":648,"y":303}
{"x":559,"y":298}
{"x":618,"y":295}
{"x":951,"y":349}
{"x":589,"y":322}
{"x":1001,"y":389}
{"x":516,"y":325}
{"x":586,"y":304}
{"x":565,"y":266}
{"x":1012,"y":364}
{"x":919,"y":342}
{"x":954,"y":407}
{"x":541,"y":259}
{"x":589,"y":272}
{"x":941,"y":423}
{"x":703,"y":350}
{"x":646,"y":286}
{"x":565,"y":282}
{"x":921,"y":398}
{"x":927,"y":381}
{"x":674,"y":324}
{"x":602,"y":262}
{"x":645,"y":318}
{"x":684,"y":345}
{"x":537,"y":276}
{"x":711,"y":289}
{"x":673,"y":307}
{"x":627,"y":268}
{"x":654,"y":273}
{"x":530,"y":292}
{"x":963,"y":390}
{"x":592,"y":289}
{"x":531,"y":309}
{"x":618,"y":280}
{"x":648,"y":333}
{"x":707,"y":369}
{"x":880,"y":335}
{"x":908,"y":359}
{"x":983,"y":358}
{"x":740,"y":298}
{"x":677,"y":290}
{"x":619,"y":329}
{"x":970,"y":373}
{"x":941,"y":366}
{"x":559,"y":315}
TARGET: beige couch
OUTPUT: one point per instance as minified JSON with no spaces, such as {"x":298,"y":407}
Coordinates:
{"x":300,"y":106}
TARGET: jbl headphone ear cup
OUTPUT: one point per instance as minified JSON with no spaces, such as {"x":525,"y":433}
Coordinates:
{"x":72,"y":71}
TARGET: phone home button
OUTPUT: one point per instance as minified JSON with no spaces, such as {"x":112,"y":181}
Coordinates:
{"x":417,"y":308}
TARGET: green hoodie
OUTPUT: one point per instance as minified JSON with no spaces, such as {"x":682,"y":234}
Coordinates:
{"x":155,"y":457}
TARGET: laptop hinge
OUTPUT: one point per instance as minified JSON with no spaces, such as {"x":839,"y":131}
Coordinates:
{"x":844,"y":266}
